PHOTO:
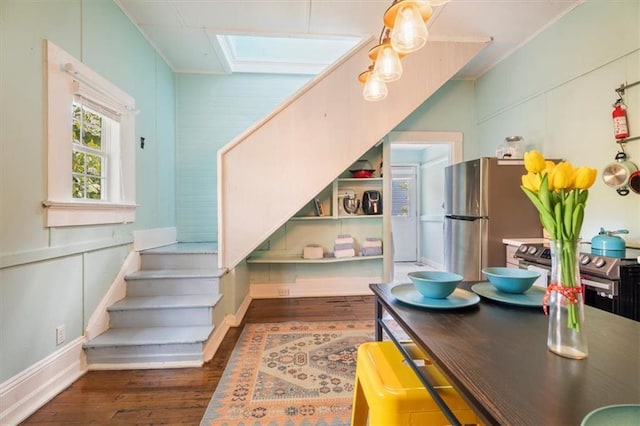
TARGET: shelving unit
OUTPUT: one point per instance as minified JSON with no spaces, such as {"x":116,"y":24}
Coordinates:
{"x":293,"y":258}
{"x":285,"y":247}
{"x":331,"y":200}
{"x":277,"y":268}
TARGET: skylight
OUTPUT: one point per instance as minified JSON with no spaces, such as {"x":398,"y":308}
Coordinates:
{"x":283,"y":55}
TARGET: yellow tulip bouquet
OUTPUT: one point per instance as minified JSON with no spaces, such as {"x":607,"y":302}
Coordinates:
{"x":559,"y":192}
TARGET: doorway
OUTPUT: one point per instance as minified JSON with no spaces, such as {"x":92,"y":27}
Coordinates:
{"x":417,"y":165}
{"x":404,"y":212}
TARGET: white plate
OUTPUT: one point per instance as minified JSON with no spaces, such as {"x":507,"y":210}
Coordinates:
{"x":460,"y":298}
{"x":531,"y":297}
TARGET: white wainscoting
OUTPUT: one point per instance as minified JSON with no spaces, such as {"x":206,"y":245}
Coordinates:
{"x":26,"y":392}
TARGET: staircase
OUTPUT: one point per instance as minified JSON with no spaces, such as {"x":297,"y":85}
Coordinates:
{"x":313,"y":136}
{"x":166,"y":317}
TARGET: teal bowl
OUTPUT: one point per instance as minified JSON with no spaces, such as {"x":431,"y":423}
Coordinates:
{"x":614,"y":415}
{"x":435,"y":284}
{"x":511,"y":280}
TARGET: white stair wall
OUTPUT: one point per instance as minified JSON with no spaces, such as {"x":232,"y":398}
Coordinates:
{"x":167,"y":316}
{"x":316,"y":134}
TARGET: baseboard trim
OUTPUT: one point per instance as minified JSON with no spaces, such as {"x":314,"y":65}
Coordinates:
{"x":315,"y":287}
{"x":231,"y":320}
{"x":432,"y":264}
{"x":25,"y":393}
{"x":145,"y":365}
{"x":237,"y":318}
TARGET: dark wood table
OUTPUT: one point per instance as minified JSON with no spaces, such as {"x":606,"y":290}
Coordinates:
{"x":496,"y":356}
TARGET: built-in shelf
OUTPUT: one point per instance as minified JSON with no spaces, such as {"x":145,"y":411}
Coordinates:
{"x":351,"y":216}
{"x":322,"y":221}
{"x":360,"y":180}
{"x":300,"y":259}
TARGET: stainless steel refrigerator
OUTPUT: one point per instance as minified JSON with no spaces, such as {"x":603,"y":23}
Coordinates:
{"x":483,"y":204}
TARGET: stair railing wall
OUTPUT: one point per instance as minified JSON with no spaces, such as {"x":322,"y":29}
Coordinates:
{"x":273,"y":169}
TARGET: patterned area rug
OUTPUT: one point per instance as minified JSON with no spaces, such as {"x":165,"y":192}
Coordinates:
{"x":293,"y":373}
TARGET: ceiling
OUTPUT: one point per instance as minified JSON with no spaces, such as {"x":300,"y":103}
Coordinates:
{"x":184,"y":32}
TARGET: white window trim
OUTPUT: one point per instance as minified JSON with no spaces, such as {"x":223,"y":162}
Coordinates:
{"x":65,"y":76}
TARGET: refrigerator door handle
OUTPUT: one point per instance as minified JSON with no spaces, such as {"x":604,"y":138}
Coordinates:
{"x":467,"y":218}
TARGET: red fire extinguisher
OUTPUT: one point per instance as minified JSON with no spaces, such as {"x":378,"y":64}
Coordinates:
{"x":619,"y":115}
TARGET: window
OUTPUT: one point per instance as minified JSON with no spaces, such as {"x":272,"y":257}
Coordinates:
{"x":90,"y":140}
{"x":286,"y":55}
{"x":90,"y":131}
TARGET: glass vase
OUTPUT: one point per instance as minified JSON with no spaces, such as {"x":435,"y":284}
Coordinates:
{"x":566,"y":334}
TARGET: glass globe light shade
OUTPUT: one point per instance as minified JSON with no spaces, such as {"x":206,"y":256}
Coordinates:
{"x":409,"y":30}
{"x":374,"y":89}
{"x":388,"y":67}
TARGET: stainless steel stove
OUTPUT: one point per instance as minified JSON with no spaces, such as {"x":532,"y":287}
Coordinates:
{"x":610,"y":283}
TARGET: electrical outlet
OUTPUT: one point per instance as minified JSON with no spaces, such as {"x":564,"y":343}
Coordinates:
{"x":60,"y":334}
{"x":283,"y":292}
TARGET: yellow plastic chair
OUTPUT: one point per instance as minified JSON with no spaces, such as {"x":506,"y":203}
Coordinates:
{"x":388,"y":392}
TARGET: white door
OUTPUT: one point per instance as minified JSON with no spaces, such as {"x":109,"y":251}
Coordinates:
{"x":404,"y":213}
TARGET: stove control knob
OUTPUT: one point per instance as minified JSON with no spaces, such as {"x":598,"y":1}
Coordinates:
{"x":532,"y":250}
{"x":599,"y":262}
{"x":584,"y":260}
{"x":522,"y":248}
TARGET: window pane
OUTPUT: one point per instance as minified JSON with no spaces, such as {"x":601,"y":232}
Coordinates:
{"x":89,"y":152}
{"x":400,"y":200}
{"x":91,"y":129}
{"x":78,"y":186}
{"x":78,"y":162}
{"x":94,"y":165}
{"x":94,"y":188}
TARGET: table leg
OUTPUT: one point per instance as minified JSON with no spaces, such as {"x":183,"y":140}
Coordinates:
{"x":428,"y":386}
{"x":378,"y":321}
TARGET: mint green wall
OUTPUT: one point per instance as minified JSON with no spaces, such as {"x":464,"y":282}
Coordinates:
{"x":212,"y":110}
{"x":556,"y":91}
{"x":450,"y":109}
{"x":54,"y":276}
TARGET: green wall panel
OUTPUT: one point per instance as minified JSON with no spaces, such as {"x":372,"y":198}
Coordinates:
{"x":211,"y":111}
{"x":594,"y":33}
{"x":34,"y":300}
{"x":59,"y":275}
{"x":450,"y":109}
{"x":24,"y":25}
{"x":564,"y":110}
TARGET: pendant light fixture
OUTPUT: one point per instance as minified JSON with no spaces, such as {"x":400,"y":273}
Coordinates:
{"x":388,"y":66}
{"x":404,"y":31}
{"x":374,"y":88}
{"x":409,"y":30}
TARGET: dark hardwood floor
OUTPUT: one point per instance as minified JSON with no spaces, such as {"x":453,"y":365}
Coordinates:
{"x":180,"y":396}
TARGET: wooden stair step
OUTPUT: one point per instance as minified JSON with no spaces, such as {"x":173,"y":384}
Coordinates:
{"x":185,"y":248}
{"x":165,"y":302}
{"x":150,"y":336}
{"x":146,"y":274}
